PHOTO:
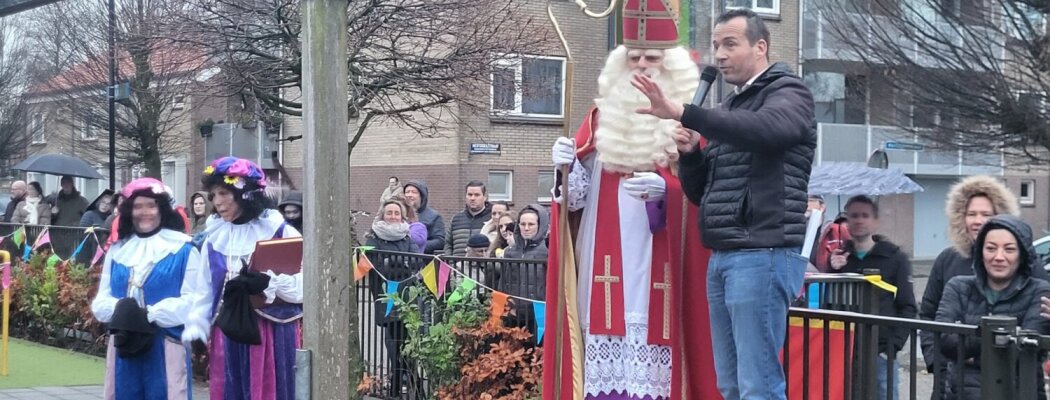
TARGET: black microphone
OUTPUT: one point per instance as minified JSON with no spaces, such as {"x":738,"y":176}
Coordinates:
{"x":707,"y":77}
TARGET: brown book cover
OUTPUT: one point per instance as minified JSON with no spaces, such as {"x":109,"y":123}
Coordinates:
{"x":282,"y":256}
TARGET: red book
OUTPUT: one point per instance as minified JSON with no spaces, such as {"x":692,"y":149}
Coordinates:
{"x":282,"y":256}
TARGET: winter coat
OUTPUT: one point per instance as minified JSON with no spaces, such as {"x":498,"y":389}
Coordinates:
{"x":418,"y":233}
{"x":43,"y":213}
{"x":955,"y":260}
{"x":751,"y":179}
{"x":966,"y":299}
{"x":68,"y":208}
{"x":9,"y":212}
{"x":464,"y":225}
{"x":389,"y":193}
{"x":92,"y":216}
{"x":526,"y":279}
{"x":895,"y":269}
{"x":430,"y":218}
{"x":394,"y":268}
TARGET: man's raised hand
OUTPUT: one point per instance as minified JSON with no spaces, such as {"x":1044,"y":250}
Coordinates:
{"x":660,"y":105}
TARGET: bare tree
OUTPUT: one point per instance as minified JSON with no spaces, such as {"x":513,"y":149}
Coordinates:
{"x":967,"y":75}
{"x":418,"y":64}
{"x":13,"y":77}
{"x":72,"y":41}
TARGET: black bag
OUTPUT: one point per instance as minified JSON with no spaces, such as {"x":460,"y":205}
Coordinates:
{"x":237,"y":317}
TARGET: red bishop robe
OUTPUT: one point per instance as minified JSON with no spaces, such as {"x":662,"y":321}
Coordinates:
{"x":677,"y":246}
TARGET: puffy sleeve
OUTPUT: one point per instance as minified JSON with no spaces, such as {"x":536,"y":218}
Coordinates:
{"x":288,"y":287}
{"x":192,"y":307}
{"x":104,"y":303}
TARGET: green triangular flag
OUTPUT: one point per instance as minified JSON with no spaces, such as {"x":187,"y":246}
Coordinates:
{"x":464,"y":287}
{"x":53,"y":260}
{"x":19,"y":236}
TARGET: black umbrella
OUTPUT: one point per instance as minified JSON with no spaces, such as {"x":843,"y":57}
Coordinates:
{"x":57,"y":164}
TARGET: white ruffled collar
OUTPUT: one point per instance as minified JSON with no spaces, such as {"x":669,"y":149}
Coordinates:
{"x":137,"y":250}
{"x":236,"y":240}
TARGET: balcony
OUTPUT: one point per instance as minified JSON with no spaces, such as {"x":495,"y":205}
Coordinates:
{"x":854,"y":143}
{"x":822,"y":39}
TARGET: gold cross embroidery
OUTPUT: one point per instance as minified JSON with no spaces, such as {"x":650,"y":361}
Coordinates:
{"x":665,"y":286}
{"x":608,"y":280}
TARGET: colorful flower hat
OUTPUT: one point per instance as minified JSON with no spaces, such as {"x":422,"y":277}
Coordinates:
{"x":237,"y":172}
{"x":153,"y":186}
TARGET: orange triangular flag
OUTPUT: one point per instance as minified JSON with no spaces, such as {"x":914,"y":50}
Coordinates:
{"x":362,"y":268}
{"x":499,"y":307}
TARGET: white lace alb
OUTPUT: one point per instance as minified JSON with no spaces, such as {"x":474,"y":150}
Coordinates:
{"x":627,"y":364}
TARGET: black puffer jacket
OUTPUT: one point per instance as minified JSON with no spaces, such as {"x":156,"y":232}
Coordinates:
{"x":526,"y":279}
{"x":395,"y":268}
{"x":968,"y":298}
{"x":895,"y":269}
{"x":751,"y":179}
{"x":462,"y":227}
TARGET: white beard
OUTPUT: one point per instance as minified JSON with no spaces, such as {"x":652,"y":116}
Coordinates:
{"x":625,"y":140}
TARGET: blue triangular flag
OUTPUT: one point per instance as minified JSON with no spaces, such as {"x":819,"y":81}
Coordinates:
{"x":79,"y":248}
{"x":25,"y":254}
{"x":539,"y":312}
{"x":391,"y":288}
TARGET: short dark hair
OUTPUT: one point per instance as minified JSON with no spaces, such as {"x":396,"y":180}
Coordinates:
{"x":863,"y":199}
{"x":756,"y":27}
{"x":394,"y":178}
{"x":501,"y":203}
{"x":476,"y":183}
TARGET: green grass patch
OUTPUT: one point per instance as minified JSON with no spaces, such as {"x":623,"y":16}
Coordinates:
{"x":30,"y":364}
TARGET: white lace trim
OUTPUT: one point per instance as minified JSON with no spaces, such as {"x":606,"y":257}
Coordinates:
{"x":233,"y":240}
{"x":137,"y":251}
{"x":627,"y":364}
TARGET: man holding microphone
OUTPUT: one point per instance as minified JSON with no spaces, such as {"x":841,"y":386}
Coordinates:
{"x":751,"y":182}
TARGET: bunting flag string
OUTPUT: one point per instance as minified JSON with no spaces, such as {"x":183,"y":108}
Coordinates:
{"x":18,"y":237}
{"x":435,"y":276}
{"x":445,"y":269}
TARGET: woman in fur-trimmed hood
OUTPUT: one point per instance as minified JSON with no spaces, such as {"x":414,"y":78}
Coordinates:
{"x":971,"y":202}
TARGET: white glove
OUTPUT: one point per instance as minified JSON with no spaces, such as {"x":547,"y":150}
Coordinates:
{"x":645,"y":186}
{"x":564,"y":151}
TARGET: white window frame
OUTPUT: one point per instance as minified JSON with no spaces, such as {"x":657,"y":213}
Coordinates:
{"x":87,"y":129}
{"x":36,"y":129}
{"x":515,"y":62}
{"x":493,"y":196}
{"x":760,"y":10}
{"x":1042,"y":99}
{"x":1028,"y":200}
{"x":544,"y":196}
{"x":178,"y":102}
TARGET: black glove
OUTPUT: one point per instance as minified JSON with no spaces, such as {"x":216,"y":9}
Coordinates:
{"x":131,"y":330}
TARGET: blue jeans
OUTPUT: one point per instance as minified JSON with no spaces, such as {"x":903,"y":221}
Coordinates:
{"x":880,"y":373}
{"x":749,"y":292}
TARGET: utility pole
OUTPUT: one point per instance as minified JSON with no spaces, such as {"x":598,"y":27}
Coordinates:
{"x":331,"y":353}
{"x":112,"y":92}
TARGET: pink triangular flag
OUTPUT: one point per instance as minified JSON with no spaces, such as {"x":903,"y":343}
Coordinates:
{"x":43,"y":239}
{"x":443,"y":271}
{"x":97,"y":257}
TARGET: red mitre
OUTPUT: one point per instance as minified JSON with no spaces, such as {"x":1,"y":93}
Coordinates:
{"x":650,"y":24}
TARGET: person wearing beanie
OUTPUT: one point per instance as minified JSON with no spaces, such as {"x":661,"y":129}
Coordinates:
{"x":241,"y":218}
{"x":478,"y":246}
{"x":154,"y":293}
